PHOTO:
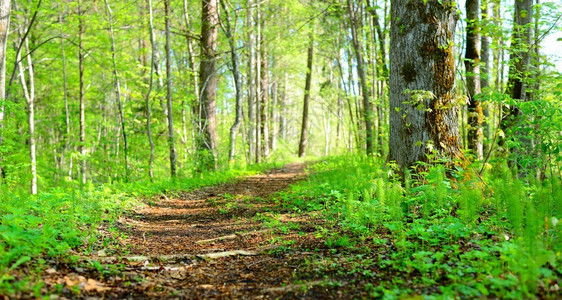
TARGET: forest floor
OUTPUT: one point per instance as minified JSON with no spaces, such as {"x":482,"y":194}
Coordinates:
{"x":229,"y":241}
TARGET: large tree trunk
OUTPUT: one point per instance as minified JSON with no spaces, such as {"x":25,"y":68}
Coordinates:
{"x":171,"y":142}
{"x":208,"y":78}
{"x":308,"y":83}
{"x":5,"y":8}
{"x":362,"y":78}
{"x":472,"y":66}
{"x":422,"y":63}
{"x":118,"y":88}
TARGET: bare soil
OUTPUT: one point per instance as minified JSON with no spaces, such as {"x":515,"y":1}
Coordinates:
{"x":229,"y":241}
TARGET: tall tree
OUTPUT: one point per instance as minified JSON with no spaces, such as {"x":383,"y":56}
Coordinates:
{"x":117,"y":83}
{"x":485,"y":74}
{"x":28,"y":86}
{"x":148,"y":103}
{"x":171,"y":142}
{"x":472,"y":66}
{"x":305,"y":108}
{"x":208,"y":78}
{"x":423,"y":112}
{"x":82,"y":147}
{"x":236,"y":74}
{"x":367,"y":113}
{"x":519,"y":59}
{"x":5,"y":9}
{"x":264,"y":86}
{"x":251,"y":88}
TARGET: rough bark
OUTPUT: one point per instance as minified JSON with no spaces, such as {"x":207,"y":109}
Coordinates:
{"x":307,"y":86}
{"x":472,"y":66}
{"x":207,"y":143}
{"x":171,"y":142}
{"x":367,"y":113}
{"x":422,"y":61}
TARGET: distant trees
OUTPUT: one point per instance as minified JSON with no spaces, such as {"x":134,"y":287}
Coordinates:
{"x":423,"y":105}
{"x":98,"y":103}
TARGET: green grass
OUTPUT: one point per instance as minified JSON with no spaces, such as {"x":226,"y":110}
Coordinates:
{"x":450,"y":234}
{"x":51,"y":223}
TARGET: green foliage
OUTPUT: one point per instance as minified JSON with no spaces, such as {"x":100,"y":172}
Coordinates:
{"x":495,"y":236}
{"x":54,"y":222}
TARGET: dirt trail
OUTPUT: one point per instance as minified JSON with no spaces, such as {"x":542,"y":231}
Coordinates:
{"x":216,"y":242}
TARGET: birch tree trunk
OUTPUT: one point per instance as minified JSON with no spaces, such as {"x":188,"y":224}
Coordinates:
{"x":422,"y":63}
{"x":5,"y":8}
{"x":28,"y":87}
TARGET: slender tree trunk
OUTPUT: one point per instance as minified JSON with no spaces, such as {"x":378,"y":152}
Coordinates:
{"x":307,"y":86}
{"x":486,"y":65}
{"x":171,"y":142}
{"x":283,"y":108}
{"x":237,"y":80}
{"x":251,"y":112}
{"x":422,"y":62}
{"x":150,"y":85}
{"x":117,"y":87}
{"x":519,"y":58}
{"x":258,"y":83}
{"x":5,"y":8}
{"x":82,"y":147}
{"x":66,"y":109}
{"x":195,"y":75}
{"x":264,"y":94}
{"x":472,"y":66}
{"x":208,"y":77}
{"x":362,"y":79}
{"x":29,"y":93}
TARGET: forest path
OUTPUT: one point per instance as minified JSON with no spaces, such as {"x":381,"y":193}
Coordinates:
{"x":228,"y":241}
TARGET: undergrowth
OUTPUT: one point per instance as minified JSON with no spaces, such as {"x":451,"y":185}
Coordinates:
{"x":33,"y":228}
{"x":449,"y":233}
